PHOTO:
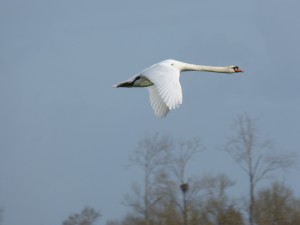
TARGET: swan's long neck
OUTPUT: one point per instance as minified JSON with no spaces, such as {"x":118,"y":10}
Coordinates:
{"x":193,"y":67}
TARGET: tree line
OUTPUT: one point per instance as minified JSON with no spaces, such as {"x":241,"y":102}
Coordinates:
{"x":167,"y":195}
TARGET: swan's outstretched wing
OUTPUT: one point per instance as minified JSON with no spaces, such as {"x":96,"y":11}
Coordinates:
{"x":159,"y":106}
{"x":166,"y":91}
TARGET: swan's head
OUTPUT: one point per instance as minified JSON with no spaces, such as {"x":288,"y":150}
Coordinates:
{"x":234,"y":69}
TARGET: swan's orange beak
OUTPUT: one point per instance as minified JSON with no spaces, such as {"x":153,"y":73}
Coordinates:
{"x":238,"y":70}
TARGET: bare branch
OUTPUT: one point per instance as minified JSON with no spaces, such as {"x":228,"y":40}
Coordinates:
{"x":87,"y":217}
{"x":186,"y":150}
{"x":254,"y":156}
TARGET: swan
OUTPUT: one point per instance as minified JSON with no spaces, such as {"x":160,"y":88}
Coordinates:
{"x":162,"y":82}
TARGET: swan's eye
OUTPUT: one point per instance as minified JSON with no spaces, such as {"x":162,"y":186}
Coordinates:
{"x":172,"y":64}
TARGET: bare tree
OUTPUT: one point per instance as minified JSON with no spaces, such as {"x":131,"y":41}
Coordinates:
{"x":254,"y":156}
{"x":152,"y":155}
{"x":1,"y":213}
{"x":165,"y":189}
{"x":277,"y":205}
{"x":179,"y":192}
{"x":88,"y":216}
{"x":217,"y":208}
{"x":186,"y":150}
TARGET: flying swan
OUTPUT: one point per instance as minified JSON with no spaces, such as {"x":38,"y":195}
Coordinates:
{"x":162,"y":82}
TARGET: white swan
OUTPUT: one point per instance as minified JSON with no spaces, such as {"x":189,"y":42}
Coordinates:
{"x":162,"y":82}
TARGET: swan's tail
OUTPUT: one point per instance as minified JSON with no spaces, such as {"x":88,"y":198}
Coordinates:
{"x":127,"y":84}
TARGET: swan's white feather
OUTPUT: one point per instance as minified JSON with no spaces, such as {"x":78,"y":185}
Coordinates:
{"x":159,"y":106}
{"x":166,"y":84}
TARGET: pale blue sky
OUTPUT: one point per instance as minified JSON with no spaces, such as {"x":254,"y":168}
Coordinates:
{"x":66,"y":134}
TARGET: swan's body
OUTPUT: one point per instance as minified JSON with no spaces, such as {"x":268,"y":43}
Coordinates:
{"x":162,"y":82}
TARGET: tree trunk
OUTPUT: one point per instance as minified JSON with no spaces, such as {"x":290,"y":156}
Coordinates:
{"x":251,"y":203}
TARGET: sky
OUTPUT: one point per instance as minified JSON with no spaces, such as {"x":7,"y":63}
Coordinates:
{"x":66,"y":134}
